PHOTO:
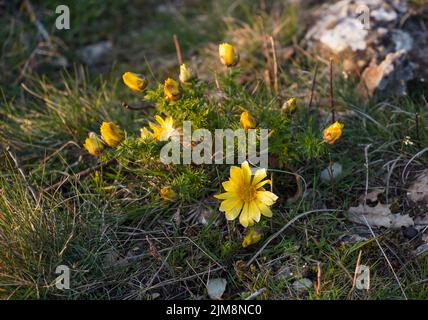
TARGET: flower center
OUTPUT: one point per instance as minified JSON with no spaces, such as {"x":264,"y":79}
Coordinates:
{"x":247,"y":194}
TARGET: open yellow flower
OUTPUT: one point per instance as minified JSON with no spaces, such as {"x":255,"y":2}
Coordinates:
{"x":167,"y":193}
{"x":134,"y":81}
{"x":245,"y":196}
{"x":164,"y":130}
{"x":186,"y":73}
{"x":289,"y":105}
{"x":227,"y":54}
{"x":247,"y":121}
{"x":252,"y":237}
{"x":333,"y":132}
{"x":171,"y":89}
{"x":93,"y":144}
{"x":112,"y":134}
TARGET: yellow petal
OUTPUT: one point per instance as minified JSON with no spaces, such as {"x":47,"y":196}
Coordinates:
{"x":244,"y":218}
{"x":233,"y":214}
{"x":225,"y":195}
{"x":236,"y":175}
{"x":230,"y":186}
{"x":259,"y":176}
{"x":267,"y":197}
{"x":252,"y":237}
{"x":229,"y":204}
{"x":254,"y":211}
{"x":264,"y":209}
{"x":246,"y":172}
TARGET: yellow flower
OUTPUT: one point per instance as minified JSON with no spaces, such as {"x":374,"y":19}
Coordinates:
{"x":227,"y":54}
{"x":112,"y":134}
{"x":136,"y":82}
{"x":332,"y":133}
{"x":164,"y":130}
{"x":186,"y":73}
{"x":245,"y":196}
{"x":247,"y":121}
{"x":167,"y":193}
{"x":171,"y":89}
{"x":289,"y":105}
{"x":252,"y":237}
{"x":145,"y":133}
{"x":93,"y":144}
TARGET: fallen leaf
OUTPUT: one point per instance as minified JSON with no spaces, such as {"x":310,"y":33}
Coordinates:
{"x":216,"y":288}
{"x":378,"y":216}
{"x":372,"y":196}
{"x":418,"y":190}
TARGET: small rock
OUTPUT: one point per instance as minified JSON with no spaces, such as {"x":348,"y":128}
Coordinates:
{"x":334,"y":171}
{"x":216,"y":288}
{"x":302,"y":285}
{"x":95,"y":53}
{"x":410,"y":232}
{"x":422,"y":249}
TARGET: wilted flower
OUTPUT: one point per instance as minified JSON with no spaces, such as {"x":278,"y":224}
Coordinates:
{"x":289,"y":105}
{"x":171,"y":89}
{"x":333,"y":132}
{"x":252,"y":237}
{"x":167,"y":193}
{"x":145,"y":133}
{"x":93,"y":144}
{"x":227,"y":54}
{"x":112,"y":134}
{"x":134,"y":81}
{"x":245,"y":196}
{"x":164,"y":130}
{"x":247,"y":121}
{"x":186,"y":73}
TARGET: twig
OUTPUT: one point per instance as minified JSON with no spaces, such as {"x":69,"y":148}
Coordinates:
{"x":79,"y":175}
{"x":275,"y":66}
{"x":289,"y":223}
{"x":172,"y":281}
{"x":33,"y":192}
{"x":368,"y":225}
{"x":178,"y":50}
{"x":357,"y":265}
{"x":33,"y":17}
{"x":418,"y":138}
{"x":143,"y":106}
{"x":60,"y":149}
{"x":331,"y":91}
{"x":314,"y":81}
{"x":254,"y":295}
{"x":318,"y":285}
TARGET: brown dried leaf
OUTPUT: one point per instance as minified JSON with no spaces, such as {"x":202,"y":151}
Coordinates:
{"x":378,"y":216}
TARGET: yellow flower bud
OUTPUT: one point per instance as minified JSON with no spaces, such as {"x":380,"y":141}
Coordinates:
{"x":167,"y":193}
{"x":171,"y":89}
{"x":289,"y":105}
{"x":227,"y":54}
{"x":112,"y":134}
{"x":134,"y":81}
{"x":332,"y":133}
{"x":252,"y":237}
{"x":247,"y":121}
{"x":186,"y":73}
{"x":145,"y":133}
{"x":93,"y":144}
